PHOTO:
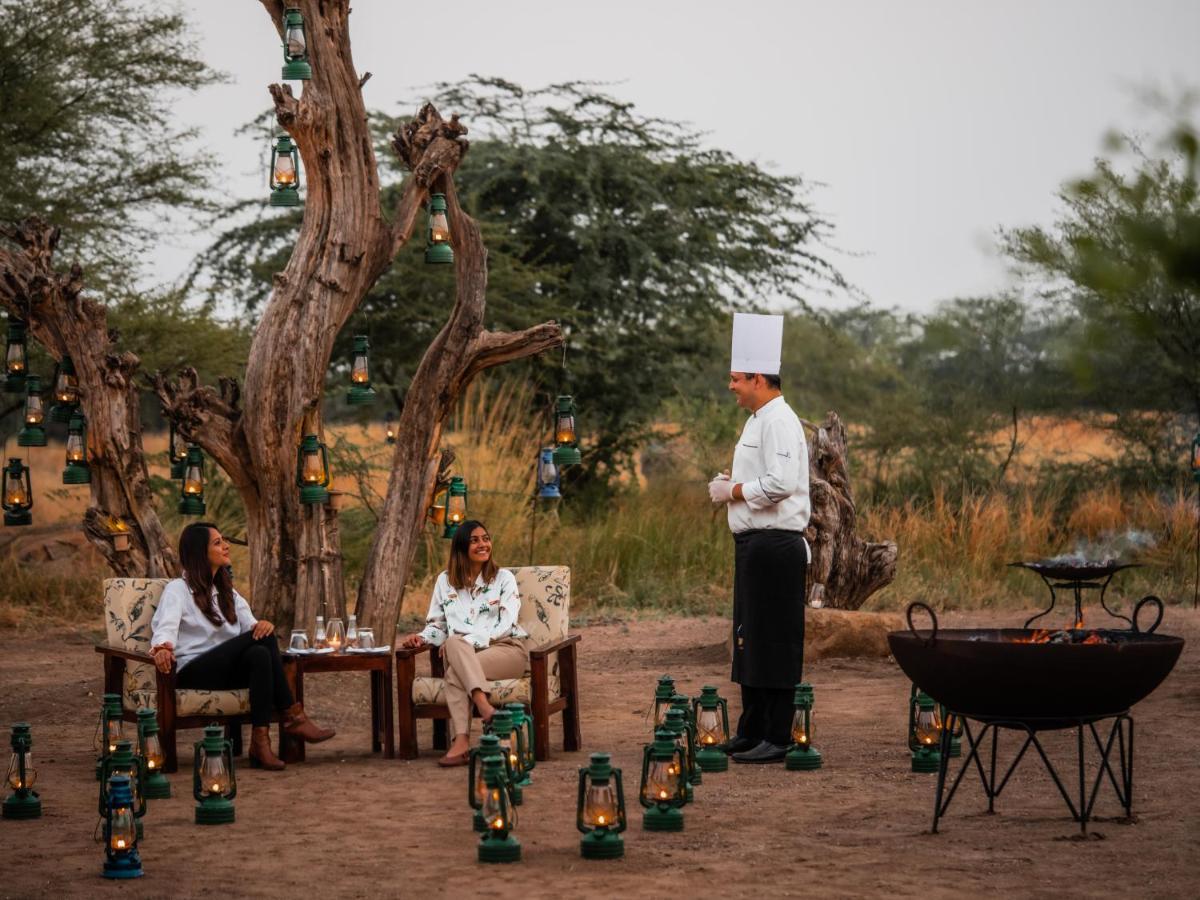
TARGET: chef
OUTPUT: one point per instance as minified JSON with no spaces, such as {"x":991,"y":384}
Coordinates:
{"x":768,"y":507}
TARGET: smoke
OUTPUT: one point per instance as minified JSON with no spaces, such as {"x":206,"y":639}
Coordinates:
{"x":1110,"y":547}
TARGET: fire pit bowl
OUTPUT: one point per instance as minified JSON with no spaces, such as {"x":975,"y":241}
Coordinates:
{"x":1001,"y":675}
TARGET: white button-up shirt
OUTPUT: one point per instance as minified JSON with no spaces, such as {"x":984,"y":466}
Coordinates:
{"x":771,"y":464}
{"x":178,"y":620}
{"x":481,"y":613}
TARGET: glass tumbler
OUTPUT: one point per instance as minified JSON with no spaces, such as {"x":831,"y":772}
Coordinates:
{"x":366,"y":639}
{"x":299,"y":639}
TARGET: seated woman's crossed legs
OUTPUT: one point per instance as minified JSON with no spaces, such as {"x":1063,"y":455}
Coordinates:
{"x":469,"y":673}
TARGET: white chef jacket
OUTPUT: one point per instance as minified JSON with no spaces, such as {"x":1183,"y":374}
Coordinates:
{"x":481,"y":613}
{"x":178,"y":620}
{"x":771,"y":464}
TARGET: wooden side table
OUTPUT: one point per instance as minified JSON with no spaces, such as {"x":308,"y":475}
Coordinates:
{"x":379,"y":665}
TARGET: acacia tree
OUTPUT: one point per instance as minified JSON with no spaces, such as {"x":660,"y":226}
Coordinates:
{"x":251,"y":429}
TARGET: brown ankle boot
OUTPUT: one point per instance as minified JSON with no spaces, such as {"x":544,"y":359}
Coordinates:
{"x":295,"y":722}
{"x":260,"y":753}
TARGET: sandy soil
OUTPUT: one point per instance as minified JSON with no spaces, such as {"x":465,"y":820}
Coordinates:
{"x":346,"y":823}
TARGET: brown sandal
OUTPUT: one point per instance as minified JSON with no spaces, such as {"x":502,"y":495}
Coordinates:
{"x":449,"y":762}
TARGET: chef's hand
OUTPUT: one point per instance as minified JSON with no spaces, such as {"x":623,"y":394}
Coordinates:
{"x":720,"y":489}
{"x":262,"y":628}
{"x":164,"y":656}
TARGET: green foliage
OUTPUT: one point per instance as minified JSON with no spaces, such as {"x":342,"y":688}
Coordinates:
{"x":86,"y":133}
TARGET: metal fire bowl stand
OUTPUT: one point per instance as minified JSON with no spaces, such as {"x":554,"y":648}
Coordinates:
{"x":1077,"y":579}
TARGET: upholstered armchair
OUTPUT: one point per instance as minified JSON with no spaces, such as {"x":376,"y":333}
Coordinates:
{"x":551,"y":686}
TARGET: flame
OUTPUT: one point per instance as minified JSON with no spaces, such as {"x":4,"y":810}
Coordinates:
{"x":1040,"y":636}
{"x":115,"y":525}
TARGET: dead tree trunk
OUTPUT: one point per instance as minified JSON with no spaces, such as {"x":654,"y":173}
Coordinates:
{"x":850,"y":568}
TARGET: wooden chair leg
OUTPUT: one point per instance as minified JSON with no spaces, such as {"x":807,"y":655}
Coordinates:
{"x":376,"y":677}
{"x":539,"y":701}
{"x":569,"y":685}
{"x":233,"y":731}
{"x":406,"y":720}
{"x":440,"y":741}
{"x":389,"y":730}
{"x":165,"y":698}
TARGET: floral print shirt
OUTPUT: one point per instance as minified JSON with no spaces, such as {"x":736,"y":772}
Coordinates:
{"x":481,"y":613}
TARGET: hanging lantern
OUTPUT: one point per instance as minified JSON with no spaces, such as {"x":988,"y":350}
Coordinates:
{"x":16,"y":360}
{"x":122,"y":761}
{"x":191,"y":492}
{"x":437,"y":508}
{"x":664,"y":692}
{"x":150,"y":749}
{"x":18,"y":493}
{"x":177,"y":450}
{"x":437,"y":248}
{"x":213,"y":783}
{"x":662,"y":790}
{"x":925,"y":732}
{"x":512,"y":747}
{"x":108,"y":730}
{"x":119,"y":532}
{"x":456,"y":505}
{"x":566,"y":439}
{"x":676,"y":724}
{"x":711,"y":714}
{"x":523,"y":722}
{"x":548,"y":478}
{"x":121,"y":859}
{"x":66,"y":392}
{"x":77,"y":470}
{"x":497,"y":845}
{"x":33,"y":433}
{"x":284,"y":177}
{"x":295,"y":47}
{"x":600,"y":809}
{"x":23,"y":802}
{"x":802,"y":755}
{"x":361,"y":393}
{"x":312,"y":470}
{"x":489,"y":745}
{"x":389,"y":427}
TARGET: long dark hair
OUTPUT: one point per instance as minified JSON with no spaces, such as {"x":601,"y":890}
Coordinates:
{"x":459,"y":566}
{"x":198,"y":573}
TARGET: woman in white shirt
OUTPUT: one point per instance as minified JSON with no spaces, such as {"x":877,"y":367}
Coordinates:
{"x":473,"y":619}
{"x":206,"y":628}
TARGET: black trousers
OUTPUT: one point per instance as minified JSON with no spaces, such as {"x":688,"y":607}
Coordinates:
{"x":243,"y":662}
{"x":767,"y":714}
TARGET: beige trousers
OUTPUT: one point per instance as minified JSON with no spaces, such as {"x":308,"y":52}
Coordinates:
{"x":468,"y":670}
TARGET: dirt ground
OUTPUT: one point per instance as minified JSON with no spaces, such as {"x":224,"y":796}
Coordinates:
{"x":346,"y":823}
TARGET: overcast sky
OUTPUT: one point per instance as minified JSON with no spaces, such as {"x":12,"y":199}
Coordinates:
{"x":928,"y":124}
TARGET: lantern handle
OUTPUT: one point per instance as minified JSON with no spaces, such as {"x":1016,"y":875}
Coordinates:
{"x":1149,"y":598}
{"x":932,"y":615}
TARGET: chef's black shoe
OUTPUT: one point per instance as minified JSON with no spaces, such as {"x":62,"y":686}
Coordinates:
{"x":765,"y":752}
{"x":740,"y":744}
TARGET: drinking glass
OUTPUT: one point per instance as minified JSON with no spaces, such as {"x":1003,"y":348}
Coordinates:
{"x":816,"y":597}
{"x":366,"y":639}
{"x":299,"y":639}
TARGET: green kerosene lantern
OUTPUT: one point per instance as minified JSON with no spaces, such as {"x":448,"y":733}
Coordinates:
{"x":925,"y":733}
{"x":681,"y":703}
{"x":663,"y":789}
{"x":33,"y":429}
{"x":18,"y":493}
{"x":489,"y":745}
{"x":23,"y":802}
{"x":213,"y":782}
{"x":16,"y":358}
{"x":566,"y":437}
{"x":191,"y":491}
{"x":284,"y":177}
{"x":361,"y":393}
{"x":77,"y":470}
{"x":109,"y":730}
{"x":456,"y":505}
{"x":295,"y":47}
{"x":802,"y":755}
{"x":677,"y":726}
{"x":497,"y":845}
{"x":66,"y":392}
{"x":664,"y":693}
{"x":512,"y":746}
{"x":437,"y":247}
{"x":711,"y":714}
{"x":600,"y":809}
{"x":312,"y":470}
{"x":523,"y":722}
{"x":123,"y":761}
{"x":150,"y":750}
{"x":121,"y":831}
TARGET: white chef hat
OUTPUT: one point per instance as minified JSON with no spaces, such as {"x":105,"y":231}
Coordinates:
{"x":757,"y":343}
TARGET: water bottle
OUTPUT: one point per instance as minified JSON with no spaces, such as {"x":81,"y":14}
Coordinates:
{"x":351,"y":632}
{"x":319,"y":633}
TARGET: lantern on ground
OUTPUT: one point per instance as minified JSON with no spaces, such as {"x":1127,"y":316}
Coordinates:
{"x":600,"y":809}
{"x":677,"y":726}
{"x":18,"y":493}
{"x":121,"y":859}
{"x":77,"y":470}
{"x":191,"y":492}
{"x":33,"y":431}
{"x":456,"y":505}
{"x":566,"y":439}
{"x":389,"y":428}
{"x":177,"y":448}
{"x":662,"y":790}
{"x":23,"y":802}
{"x":285,"y":173}
{"x":123,"y":761}
{"x":664,"y":692}
{"x":489,"y":745}
{"x":523,"y":722}
{"x":680,"y":703}
{"x":108,"y":730}
{"x":66,"y":392}
{"x":549,"y":480}
{"x":437,"y":246}
{"x":512,"y":746}
{"x":16,"y":363}
{"x":925,"y":734}
{"x":802,"y":755}
{"x":295,"y":47}
{"x":150,"y":750}
{"x":213,"y":783}
{"x":361,"y":393}
{"x":497,"y":845}
{"x":312,"y":470}
{"x":711,"y":714}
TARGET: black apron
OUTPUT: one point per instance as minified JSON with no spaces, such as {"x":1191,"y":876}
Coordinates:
{"x":769,"y":570}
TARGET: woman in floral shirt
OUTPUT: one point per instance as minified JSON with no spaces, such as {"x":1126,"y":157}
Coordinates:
{"x":473,"y":619}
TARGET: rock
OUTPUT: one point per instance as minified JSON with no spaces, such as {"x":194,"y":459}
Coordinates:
{"x":840,"y":632}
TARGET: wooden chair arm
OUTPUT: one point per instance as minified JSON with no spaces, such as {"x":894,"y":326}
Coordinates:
{"x":134,"y":655}
{"x":410,"y":652}
{"x":543,"y":652}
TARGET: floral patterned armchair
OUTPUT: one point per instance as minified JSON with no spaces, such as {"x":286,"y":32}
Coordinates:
{"x":550,"y":686}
